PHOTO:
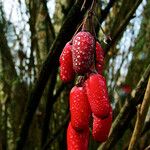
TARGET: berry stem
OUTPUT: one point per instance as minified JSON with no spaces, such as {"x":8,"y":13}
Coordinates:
{"x":78,"y":29}
{"x":84,"y":24}
{"x":90,"y":14}
{"x":90,"y":17}
{"x":80,"y":81}
{"x":107,"y":37}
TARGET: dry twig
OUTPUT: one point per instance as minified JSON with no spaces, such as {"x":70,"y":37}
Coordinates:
{"x":126,"y":114}
{"x":141,"y":115}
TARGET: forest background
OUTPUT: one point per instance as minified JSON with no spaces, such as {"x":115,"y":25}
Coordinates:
{"x":34,"y":110}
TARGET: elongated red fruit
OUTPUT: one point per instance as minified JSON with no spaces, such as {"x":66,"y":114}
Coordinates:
{"x":79,"y":108}
{"x":77,"y":140}
{"x":101,"y":127}
{"x":99,"y":58}
{"x":83,"y":52}
{"x":66,"y":66}
{"x":98,"y":95}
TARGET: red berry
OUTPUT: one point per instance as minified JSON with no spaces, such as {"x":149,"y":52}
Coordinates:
{"x":126,"y":89}
{"x":101,"y":127}
{"x":99,"y":68}
{"x":79,"y":108}
{"x":98,"y":95}
{"x":99,"y":58}
{"x":77,"y":140}
{"x":66,"y":65}
{"x":83,"y":52}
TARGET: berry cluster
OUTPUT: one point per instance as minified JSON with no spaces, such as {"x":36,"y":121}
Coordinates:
{"x":84,"y":56}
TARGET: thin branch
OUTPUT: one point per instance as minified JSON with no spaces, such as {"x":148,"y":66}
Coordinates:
{"x":105,"y":12}
{"x":49,"y":105}
{"x":123,"y":25}
{"x":141,"y":115}
{"x":49,"y":20}
{"x":127,"y":112}
{"x":57,"y":133}
{"x":146,"y":127}
{"x":51,"y":100}
{"x":58,"y":92}
{"x":8,"y":64}
{"x":147,"y":148}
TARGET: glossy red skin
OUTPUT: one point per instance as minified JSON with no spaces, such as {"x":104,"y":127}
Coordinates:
{"x":77,"y":140}
{"x":99,"y":68}
{"x":66,"y":65}
{"x":98,"y":95}
{"x":99,"y":58}
{"x":79,"y":108}
{"x":101,"y":127}
{"x":83,"y":52}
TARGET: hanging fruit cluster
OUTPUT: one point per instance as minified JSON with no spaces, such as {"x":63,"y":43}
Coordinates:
{"x":84,"y":56}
